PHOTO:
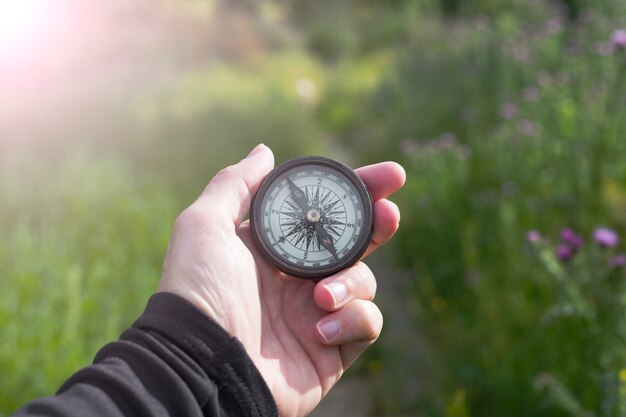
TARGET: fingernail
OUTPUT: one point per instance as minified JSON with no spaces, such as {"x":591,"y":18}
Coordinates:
{"x":329,"y":329}
{"x":256,"y":150}
{"x":338,"y":291}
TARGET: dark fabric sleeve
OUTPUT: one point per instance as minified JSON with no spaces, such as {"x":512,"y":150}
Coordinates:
{"x":173,"y":361}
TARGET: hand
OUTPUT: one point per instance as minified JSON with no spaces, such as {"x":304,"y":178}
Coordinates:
{"x":301,"y":335}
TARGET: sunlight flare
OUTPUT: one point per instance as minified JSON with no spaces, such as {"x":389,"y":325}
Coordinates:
{"x":20,"y":22}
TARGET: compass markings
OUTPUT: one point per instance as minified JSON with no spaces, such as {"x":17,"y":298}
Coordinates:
{"x":332,"y":230}
{"x":300,"y":238}
{"x":298,"y":232}
{"x":293,"y":205}
{"x":321,"y":203}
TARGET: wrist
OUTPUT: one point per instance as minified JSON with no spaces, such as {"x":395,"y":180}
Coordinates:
{"x":195,"y":299}
{"x":221,"y":356}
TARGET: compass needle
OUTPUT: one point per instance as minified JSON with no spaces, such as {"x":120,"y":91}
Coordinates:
{"x":326,"y":240}
{"x":293,"y":206}
{"x":333,"y":230}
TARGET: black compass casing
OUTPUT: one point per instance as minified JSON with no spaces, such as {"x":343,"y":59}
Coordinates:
{"x":290,"y":264}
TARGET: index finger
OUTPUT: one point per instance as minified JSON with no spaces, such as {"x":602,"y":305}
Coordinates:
{"x":382,"y":179}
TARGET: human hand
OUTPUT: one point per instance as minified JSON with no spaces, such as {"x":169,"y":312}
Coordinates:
{"x":301,"y":335}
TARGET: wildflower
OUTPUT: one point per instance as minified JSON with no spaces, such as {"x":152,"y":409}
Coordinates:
{"x":533,"y":236}
{"x":408,"y":146}
{"x":509,"y":188}
{"x":530,"y":94}
{"x":564,"y":252}
{"x":508,"y":110}
{"x":447,"y":140}
{"x":571,"y":239}
{"x":520,"y":52}
{"x":526,"y":127}
{"x":618,"y":40}
{"x":554,"y":25}
{"x":618,"y":260}
{"x":605,"y":237}
{"x":544,"y":79}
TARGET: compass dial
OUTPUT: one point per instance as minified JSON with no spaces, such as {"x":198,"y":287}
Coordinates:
{"x":312,"y":217}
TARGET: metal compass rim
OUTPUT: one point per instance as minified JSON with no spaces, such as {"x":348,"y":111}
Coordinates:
{"x":349,"y":259}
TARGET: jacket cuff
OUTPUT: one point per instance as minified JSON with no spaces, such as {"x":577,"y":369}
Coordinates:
{"x":221,"y":356}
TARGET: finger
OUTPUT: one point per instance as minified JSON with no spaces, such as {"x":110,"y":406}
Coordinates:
{"x":386,"y":224}
{"x":358,"y":321}
{"x":356,"y":282}
{"x":228,"y":195}
{"x":382,"y":179}
{"x":351,"y":351}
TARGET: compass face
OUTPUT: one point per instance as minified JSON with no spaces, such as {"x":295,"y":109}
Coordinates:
{"x":312,"y":217}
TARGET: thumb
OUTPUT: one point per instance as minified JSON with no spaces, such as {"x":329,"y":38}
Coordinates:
{"x":227,"y":197}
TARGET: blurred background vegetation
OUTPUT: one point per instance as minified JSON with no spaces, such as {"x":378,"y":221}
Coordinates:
{"x":508,"y":115}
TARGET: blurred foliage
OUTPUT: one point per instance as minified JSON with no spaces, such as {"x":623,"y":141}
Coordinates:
{"x":81,"y":243}
{"x":507,"y":115}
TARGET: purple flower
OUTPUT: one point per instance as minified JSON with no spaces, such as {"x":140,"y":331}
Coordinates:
{"x":605,"y":237}
{"x":408,"y":146}
{"x":564,"y":252}
{"x":447,"y":140}
{"x":571,"y":239}
{"x":508,"y":110}
{"x":530,"y":94}
{"x":618,"y":40}
{"x":526,"y":127}
{"x":533,"y":236}
{"x":618,"y":260}
{"x":554,"y":25}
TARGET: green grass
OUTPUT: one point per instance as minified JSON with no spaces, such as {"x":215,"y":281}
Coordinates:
{"x":81,"y":250}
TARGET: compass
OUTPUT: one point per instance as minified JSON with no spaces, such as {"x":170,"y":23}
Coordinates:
{"x":312,"y":217}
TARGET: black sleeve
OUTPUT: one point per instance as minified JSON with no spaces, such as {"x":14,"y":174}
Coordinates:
{"x":173,"y":361}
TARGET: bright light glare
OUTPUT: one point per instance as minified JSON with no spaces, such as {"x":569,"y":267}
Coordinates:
{"x":20,"y":22}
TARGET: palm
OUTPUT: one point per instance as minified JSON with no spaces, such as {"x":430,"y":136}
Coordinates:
{"x":297,"y":368}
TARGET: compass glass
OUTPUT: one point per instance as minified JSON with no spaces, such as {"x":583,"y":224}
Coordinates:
{"x":314,"y":218}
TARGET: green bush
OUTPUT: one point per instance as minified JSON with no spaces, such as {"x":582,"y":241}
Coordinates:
{"x":81,"y":251}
